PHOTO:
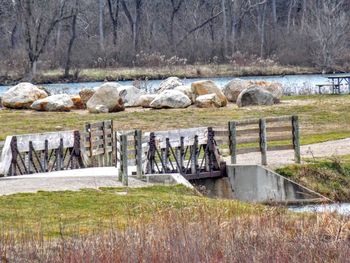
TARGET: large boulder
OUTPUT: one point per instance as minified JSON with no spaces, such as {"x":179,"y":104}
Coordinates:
{"x":145,"y":100}
{"x":171,"y":99}
{"x":59,"y":102}
{"x":275,"y":88}
{"x":234,"y":88}
{"x":205,"y":87}
{"x":255,"y":96}
{"x":187,"y":90}
{"x":130,"y":95}
{"x":78,"y":103}
{"x":22,"y":96}
{"x":169,"y":84}
{"x":208,"y":101}
{"x":107,"y":95}
{"x":86,"y":94}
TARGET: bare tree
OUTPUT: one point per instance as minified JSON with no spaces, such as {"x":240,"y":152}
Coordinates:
{"x":40,"y":17}
{"x":134,"y":21}
{"x":328,"y":28}
{"x":75,"y":12}
{"x":100,"y":23}
{"x":113,"y":10}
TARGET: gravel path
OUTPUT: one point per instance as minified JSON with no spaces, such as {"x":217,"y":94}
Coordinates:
{"x":281,"y":158}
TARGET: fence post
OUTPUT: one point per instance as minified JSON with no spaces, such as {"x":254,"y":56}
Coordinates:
{"x":296,"y":138}
{"x":232,"y":128}
{"x":138,"y":152}
{"x":123,"y":175}
{"x":263,"y":141}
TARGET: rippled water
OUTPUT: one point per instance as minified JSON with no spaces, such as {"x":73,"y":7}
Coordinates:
{"x":293,"y":84}
{"x":343,"y":209}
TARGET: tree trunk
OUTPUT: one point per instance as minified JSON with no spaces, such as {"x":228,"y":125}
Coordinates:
{"x":224,"y":25}
{"x":274,"y":12}
{"x":71,"y":43}
{"x":100,"y":24}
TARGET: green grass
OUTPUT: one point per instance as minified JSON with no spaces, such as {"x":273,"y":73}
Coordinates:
{"x":52,"y":213}
{"x":329,"y":177}
{"x":322,"y":118}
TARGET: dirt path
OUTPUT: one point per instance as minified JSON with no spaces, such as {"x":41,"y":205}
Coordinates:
{"x":281,"y":158}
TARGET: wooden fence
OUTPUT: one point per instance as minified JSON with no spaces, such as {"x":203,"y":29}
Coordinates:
{"x":99,"y":143}
{"x":260,"y":135}
{"x":102,"y":146}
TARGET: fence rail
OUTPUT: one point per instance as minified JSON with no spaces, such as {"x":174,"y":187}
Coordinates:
{"x":193,"y":149}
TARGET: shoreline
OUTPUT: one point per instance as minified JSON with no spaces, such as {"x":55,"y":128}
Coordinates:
{"x":158,"y":73}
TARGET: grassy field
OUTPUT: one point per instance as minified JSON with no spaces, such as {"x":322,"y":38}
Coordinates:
{"x":162,"y":224}
{"x":183,"y":71}
{"x":322,"y":118}
{"x":77,"y":213}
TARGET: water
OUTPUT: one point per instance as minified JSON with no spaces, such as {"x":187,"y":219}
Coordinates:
{"x":343,"y":209}
{"x":292,"y":84}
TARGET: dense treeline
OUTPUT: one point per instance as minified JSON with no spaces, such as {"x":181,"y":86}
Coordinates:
{"x":70,"y":34}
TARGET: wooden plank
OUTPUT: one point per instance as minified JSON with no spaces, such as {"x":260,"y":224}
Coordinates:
{"x":280,"y":138}
{"x":248,"y":131}
{"x":280,"y":148}
{"x":38,"y":140}
{"x":279,"y":129}
{"x":221,"y":133}
{"x":248,"y":150}
{"x":247,"y":122}
{"x":278,"y":119}
{"x":248,"y":140}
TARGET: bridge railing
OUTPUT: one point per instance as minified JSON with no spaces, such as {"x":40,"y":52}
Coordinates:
{"x":260,"y":135}
{"x":101,"y":145}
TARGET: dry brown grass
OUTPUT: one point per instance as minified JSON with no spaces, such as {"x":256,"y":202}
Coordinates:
{"x":178,"y":236}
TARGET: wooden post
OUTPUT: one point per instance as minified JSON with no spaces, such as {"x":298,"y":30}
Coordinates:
{"x":30,"y":158}
{"x":14,"y":153}
{"x":232,"y":127}
{"x":124,"y":160}
{"x":151,"y":154}
{"x":138,"y":152}
{"x":194,"y":157}
{"x":88,"y":130}
{"x":263,"y":141}
{"x":296,"y":138}
{"x":116,"y":148}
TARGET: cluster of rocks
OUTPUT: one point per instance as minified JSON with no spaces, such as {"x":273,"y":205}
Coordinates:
{"x":171,"y":93}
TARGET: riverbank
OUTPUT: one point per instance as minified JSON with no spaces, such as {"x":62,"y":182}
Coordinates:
{"x":150,"y":73}
{"x":327,"y":176}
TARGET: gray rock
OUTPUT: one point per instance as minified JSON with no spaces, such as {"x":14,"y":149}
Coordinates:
{"x":169,"y":84}
{"x":108,"y":96}
{"x":22,"y":96}
{"x":234,"y":88}
{"x":171,"y":99}
{"x":208,"y":101}
{"x":145,"y":100}
{"x":205,"y":87}
{"x":255,"y":96}
{"x":130,"y":95}
{"x":101,"y":109}
{"x":187,"y":90}
{"x":59,"y":102}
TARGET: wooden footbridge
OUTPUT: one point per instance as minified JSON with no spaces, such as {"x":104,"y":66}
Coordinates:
{"x":196,"y":153}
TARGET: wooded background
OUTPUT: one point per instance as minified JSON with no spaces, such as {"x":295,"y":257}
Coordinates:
{"x":50,"y":34}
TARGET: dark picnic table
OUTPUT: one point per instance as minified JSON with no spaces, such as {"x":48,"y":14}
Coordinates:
{"x":336,"y":81}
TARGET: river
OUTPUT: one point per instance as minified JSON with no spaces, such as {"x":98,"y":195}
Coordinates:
{"x":292,"y":84}
{"x":343,"y":209}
